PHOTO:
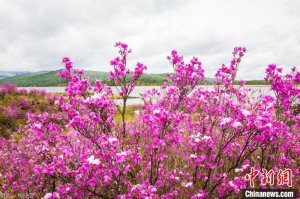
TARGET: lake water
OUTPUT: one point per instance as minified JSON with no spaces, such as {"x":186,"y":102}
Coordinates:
{"x":136,"y":93}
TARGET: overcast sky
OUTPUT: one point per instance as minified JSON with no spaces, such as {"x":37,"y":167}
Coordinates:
{"x":36,"y":34}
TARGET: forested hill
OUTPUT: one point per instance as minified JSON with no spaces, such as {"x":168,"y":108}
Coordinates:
{"x":52,"y":79}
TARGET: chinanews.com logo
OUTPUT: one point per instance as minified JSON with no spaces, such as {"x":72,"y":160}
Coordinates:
{"x":283,"y":178}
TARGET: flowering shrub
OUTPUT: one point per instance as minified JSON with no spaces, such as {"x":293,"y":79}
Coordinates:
{"x":16,"y":103}
{"x":185,"y":141}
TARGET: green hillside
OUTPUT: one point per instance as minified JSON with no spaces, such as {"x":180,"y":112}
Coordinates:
{"x":46,"y":79}
{"x":52,"y":79}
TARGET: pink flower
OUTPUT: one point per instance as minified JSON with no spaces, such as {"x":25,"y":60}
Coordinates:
{"x":236,"y":125}
{"x":92,"y":160}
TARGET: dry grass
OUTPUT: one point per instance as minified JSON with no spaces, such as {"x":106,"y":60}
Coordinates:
{"x":129,"y":115}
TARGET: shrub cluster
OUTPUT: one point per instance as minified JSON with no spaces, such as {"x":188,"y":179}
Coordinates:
{"x":184,"y":142}
{"x":16,"y":103}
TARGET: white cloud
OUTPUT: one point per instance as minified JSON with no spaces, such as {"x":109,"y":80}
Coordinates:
{"x":35,"y":35}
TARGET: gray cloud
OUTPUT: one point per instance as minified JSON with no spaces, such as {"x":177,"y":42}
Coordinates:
{"x":35,"y":35}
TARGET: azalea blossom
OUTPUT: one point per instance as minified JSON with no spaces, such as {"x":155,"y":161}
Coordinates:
{"x":183,"y":141}
{"x":92,"y":160}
